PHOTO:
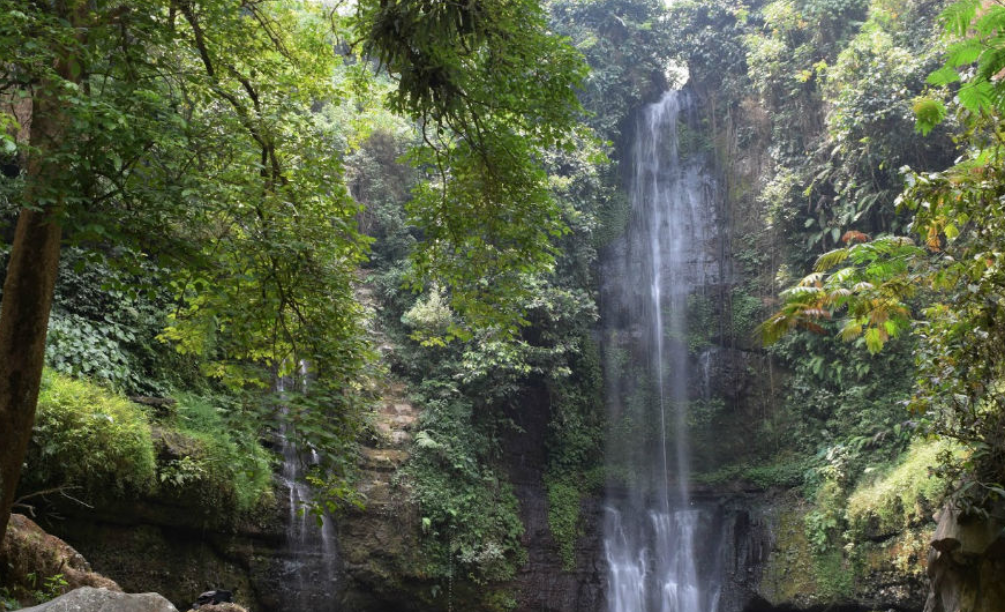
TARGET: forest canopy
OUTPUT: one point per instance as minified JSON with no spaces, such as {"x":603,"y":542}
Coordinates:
{"x":195,"y":149}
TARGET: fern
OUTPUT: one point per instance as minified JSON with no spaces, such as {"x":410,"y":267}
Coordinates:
{"x":976,"y":96}
{"x":964,"y":52}
{"x":958,"y":16}
{"x":831,"y":259}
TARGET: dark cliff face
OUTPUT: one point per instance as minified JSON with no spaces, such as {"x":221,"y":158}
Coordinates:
{"x":542,"y":583}
{"x":152,"y":546}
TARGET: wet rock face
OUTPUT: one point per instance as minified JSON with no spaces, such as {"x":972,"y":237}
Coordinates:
{"x":88,"y":599}
{"x":966,"y":563}
{"x":885,"y":575}
{"x":378,"y":544}
{"x":543,"y":584}
{"x":148,"y":547}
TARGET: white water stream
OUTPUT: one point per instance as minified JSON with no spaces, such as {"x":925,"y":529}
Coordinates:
{"x":650,"y":528}
{"x":311,"y":563}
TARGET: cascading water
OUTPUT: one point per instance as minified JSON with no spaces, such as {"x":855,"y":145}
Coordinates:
{"x":650,"y":525}
{"x":311,"y":565}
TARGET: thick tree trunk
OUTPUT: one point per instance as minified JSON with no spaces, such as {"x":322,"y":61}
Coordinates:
{"x":24,"y":319}
{"x":31,"y":272}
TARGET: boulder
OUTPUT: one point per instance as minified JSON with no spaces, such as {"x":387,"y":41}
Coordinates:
{"x":29,"y":556}
{"x":88,"y":599}
{"x":966,"y":563}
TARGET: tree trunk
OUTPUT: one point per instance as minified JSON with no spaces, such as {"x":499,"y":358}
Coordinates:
{"x":24,"y":319}
{"x":31,"y":272}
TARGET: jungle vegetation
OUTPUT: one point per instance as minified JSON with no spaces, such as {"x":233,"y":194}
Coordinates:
{"x":194,"y":190}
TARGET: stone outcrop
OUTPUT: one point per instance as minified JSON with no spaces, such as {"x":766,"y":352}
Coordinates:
{"x":29,"y":556}
{"x":155,"y":545}
{"x":89,"y":599}
{"x":791,"y":575}
{"x":966,"y":563}
{"x":543,"y":584}
{"x":378,"y":543}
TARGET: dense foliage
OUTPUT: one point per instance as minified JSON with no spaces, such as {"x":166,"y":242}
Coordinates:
{"x":228,"y":175}
{"x":944,"y":283}
{"x":199,"y":148}
{"x":90,"y":439}
{"x":94,"y":446}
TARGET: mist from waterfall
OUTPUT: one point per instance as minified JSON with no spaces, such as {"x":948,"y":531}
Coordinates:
{"x":650,"y":524}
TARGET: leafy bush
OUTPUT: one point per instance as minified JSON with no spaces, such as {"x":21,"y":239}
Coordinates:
{"x":563,"y":519}
{"x":787,"y":470}
{"x":109,"y":309}
{"x":87,"y":436}
{"x":470,"y":515}
{"x":212,"y":458}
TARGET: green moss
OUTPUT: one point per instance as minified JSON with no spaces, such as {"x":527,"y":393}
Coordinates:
{"x":798,"y":570}
{"x":788,"y":575}
{"x":563,"y":519}
{"x":834,"y":575}
{"x":900,"y":496}
{"x":86,"y":436}
{"x":825,"y":522}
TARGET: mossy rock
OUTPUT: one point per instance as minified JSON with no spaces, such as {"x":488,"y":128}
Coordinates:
{"x":35,"y":566}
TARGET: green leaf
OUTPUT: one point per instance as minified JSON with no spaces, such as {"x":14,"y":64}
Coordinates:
{"x":928,"y":113}
{"x":873,"y":340}
{"x":963,"y":53}
{"x":976,"y":96}
{"x":943,"y":76}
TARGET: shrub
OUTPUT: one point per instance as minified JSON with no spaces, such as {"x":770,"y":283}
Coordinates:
{"x":87,"y":436}
{"x":563,"y":519}
{"x":221,"y":463}
{"x":470,"y":514}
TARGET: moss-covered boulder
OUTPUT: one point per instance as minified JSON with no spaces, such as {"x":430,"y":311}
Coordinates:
{"x":35,"y":566}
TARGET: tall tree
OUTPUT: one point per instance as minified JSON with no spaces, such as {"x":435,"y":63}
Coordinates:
{"x":34,"y":261}
{"x":190,"y":128}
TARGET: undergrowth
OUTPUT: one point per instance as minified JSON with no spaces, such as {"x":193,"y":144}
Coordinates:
{"x":901,"y":495}
{"x":88,"y":437}
{"x":99,"y":445}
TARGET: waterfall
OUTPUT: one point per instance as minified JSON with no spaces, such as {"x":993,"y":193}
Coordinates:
{"x":651,"y":525}
{"x":310,"y":567}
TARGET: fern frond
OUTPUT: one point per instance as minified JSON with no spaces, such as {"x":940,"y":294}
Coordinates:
{"x":958,"y":16}
{"x":830,"y":259}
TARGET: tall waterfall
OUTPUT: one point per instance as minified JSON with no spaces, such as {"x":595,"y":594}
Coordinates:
{"x":664,"y":257}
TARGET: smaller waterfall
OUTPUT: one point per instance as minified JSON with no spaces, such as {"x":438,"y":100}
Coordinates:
{"x":311,"y":565}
